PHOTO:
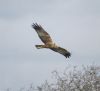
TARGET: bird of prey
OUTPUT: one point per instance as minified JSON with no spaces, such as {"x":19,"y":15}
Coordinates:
{"x":48,"y":42}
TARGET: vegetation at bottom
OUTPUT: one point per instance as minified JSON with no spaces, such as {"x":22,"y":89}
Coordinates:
{"x":85,"y":78}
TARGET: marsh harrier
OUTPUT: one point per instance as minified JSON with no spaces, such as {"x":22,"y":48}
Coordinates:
{"x":48,"y":42}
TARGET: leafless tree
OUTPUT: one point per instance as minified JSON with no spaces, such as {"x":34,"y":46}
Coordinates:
{"x":84,"y":79}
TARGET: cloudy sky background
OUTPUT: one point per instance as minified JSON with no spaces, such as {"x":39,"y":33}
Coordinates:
{"x":73,"y":24}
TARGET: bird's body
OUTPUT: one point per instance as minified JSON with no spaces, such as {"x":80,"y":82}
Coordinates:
{"x":48,"y":42}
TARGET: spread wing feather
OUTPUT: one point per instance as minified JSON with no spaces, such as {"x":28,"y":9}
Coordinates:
{"x":62,"y":51}
{"x":43,"y":35}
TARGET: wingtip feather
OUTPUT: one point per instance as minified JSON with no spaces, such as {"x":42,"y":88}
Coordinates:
{"x":36,"y":26}
{"x":67,"y":55}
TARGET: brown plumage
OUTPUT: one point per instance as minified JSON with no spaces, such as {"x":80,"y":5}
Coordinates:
{"x":48,"y":43}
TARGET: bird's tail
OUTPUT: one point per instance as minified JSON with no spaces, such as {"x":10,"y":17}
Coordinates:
{"x":40,"y":46}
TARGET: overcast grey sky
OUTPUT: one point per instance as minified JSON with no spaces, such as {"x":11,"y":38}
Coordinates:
{"x":73,"y":24}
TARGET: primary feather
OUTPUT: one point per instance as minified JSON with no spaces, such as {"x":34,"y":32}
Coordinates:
{"x":43,"y":35}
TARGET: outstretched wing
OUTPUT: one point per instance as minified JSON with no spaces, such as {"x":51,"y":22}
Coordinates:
{"x":62,"y":51}
{"x":43,"y":35}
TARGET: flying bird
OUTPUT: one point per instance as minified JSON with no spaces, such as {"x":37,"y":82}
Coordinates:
{"x":48,"y":42}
